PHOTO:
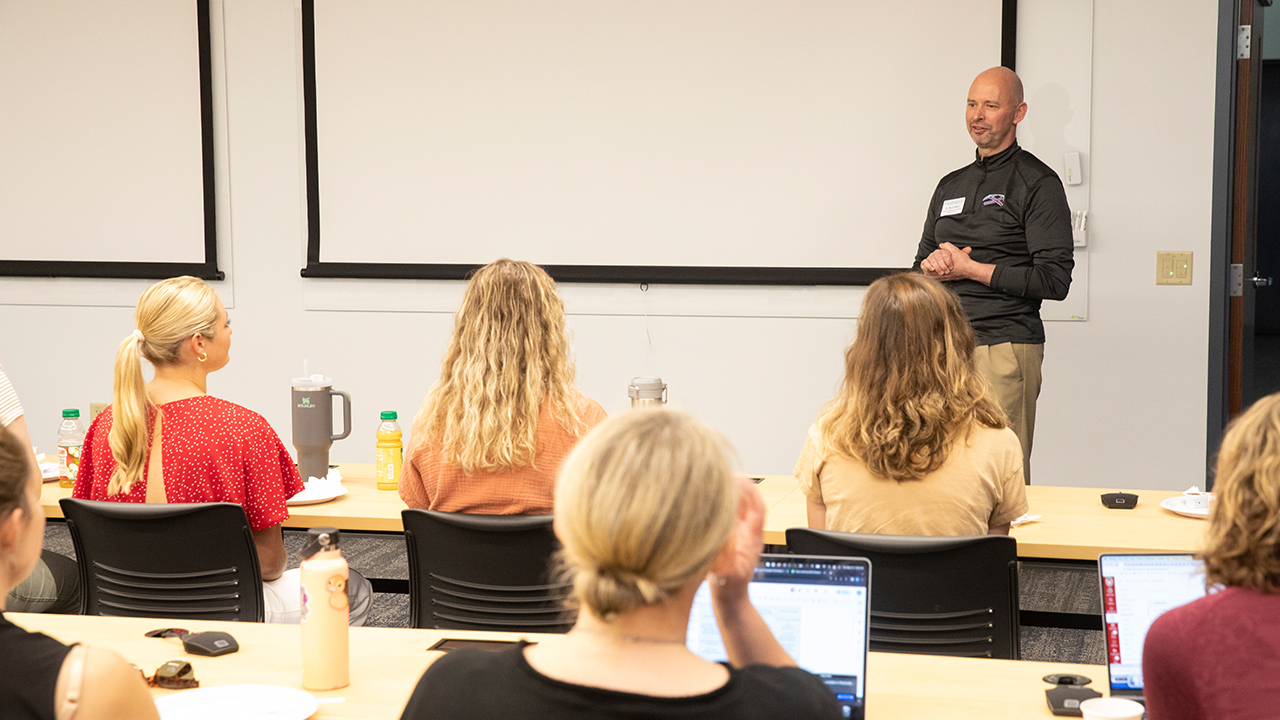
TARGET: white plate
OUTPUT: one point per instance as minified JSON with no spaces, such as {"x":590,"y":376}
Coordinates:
{"x":243,"y":702}
{"x":314,"y":494}
{"x":1178,"y":504}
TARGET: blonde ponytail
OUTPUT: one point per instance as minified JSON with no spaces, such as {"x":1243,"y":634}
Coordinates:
{"x":129,"y":410}
{"x":168,"y":314}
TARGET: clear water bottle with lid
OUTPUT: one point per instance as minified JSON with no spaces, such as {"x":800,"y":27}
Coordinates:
{"x":647,"y":392}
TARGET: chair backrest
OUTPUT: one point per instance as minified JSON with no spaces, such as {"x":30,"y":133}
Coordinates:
{"x":189,"y":560}
{"x":484,"y":572}
{"x":933,"y":595}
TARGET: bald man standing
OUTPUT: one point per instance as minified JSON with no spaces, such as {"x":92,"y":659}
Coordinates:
{"x":999,"y":234}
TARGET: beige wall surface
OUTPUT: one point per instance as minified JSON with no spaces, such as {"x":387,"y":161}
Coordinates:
{"x":1124,"y":395}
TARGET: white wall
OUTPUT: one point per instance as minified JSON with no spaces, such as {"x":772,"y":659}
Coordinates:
{"x":1124,"y":397}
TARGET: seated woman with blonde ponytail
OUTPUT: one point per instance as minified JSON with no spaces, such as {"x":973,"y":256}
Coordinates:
{"x":167,"y":440}
{"x":647,"y":506}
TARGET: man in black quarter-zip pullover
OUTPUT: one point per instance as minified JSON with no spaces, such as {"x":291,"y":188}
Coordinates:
{"x":999,"y":234}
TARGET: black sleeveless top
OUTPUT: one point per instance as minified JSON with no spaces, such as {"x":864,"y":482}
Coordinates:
{"x":29,"y":666}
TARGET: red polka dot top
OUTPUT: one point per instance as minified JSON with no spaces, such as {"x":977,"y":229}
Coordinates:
{"x":213,"y":450}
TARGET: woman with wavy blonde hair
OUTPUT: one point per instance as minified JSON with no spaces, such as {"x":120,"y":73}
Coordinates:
{"x":648,"y":506}
{"x":913,"y":443}
{"x":505,"y":412}
{"x":1219,"y":656}
{"x":168,"y":440}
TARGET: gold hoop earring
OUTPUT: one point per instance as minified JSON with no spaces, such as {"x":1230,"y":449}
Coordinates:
{"x":203,"y":356}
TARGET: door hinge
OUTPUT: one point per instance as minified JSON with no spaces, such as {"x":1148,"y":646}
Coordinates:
{"x":1244,"y":38}
{"x":1237,"y":280}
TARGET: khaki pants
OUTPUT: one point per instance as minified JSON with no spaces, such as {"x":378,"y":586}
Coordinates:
{"x":1013,"y":370}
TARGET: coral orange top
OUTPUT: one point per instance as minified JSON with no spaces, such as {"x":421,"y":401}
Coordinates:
{"x":431,"y":483}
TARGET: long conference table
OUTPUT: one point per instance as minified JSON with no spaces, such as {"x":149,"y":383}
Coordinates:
{"x":1073,"y":524}
{"x":387,"y":662}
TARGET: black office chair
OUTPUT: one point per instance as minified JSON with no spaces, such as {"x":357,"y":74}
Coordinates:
{"x":188,"y":561}
{"x":933,"y":595}
{"x":484,"y":572}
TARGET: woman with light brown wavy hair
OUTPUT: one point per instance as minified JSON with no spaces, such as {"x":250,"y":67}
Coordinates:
{"x":1216,"y":657}
{"x":913,"y":443}
{"x":504,"y":414}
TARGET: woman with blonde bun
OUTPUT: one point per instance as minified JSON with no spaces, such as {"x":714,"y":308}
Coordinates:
{"x":1218,"y":657}
{"x":505,"y":413}
{"x":41,"y":678}
{"x":914,"y":443}
{"x":647,"y":507}
{"x":168,"y":440}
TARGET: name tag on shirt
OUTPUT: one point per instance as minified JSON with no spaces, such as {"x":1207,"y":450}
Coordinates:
{"x":952,"y":206}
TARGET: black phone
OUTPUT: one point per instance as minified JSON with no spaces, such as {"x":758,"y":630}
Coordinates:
{"x":447,"y":644}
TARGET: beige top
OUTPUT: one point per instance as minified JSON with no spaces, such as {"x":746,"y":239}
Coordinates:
{"x":979,"y":486}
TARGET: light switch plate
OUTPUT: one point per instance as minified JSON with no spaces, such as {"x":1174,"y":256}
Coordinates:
{"x":1173,"y":267}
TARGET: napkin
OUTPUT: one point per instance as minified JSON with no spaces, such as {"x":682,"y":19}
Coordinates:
{"x":1023,"y":520}
{"x":332,"y":481}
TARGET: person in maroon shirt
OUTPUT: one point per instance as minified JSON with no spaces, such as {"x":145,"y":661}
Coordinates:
{"x":167,"y":440}
{"x":1219,"y":656}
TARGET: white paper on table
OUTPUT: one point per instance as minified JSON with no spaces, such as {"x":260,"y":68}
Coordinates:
{"x":1023,"y":520}
{"x":331,"y":481}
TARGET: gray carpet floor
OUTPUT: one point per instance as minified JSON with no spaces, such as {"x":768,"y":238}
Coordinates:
{"x":1042,"y":586}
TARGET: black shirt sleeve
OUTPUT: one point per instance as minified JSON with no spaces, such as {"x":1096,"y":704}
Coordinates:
{"x":928,"y":243}
{"x":1048,"y":232}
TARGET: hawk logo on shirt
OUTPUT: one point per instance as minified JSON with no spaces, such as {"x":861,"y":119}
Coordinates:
{"x":994,"y":199}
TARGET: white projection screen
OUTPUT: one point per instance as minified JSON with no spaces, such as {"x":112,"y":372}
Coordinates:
{"x":776,"y":141}
{"x":106,"y":150}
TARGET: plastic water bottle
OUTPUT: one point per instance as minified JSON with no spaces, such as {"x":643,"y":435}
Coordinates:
{"x":326,"y":660}
{"x":390,"y":454}
{"x":70,"y":443}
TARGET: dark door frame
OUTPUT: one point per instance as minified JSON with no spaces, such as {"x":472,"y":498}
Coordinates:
{"x":1232,"y":227}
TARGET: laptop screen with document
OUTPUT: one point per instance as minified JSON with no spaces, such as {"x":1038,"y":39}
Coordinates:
{"x":1136,"y":589}
{"x":817,"y":608}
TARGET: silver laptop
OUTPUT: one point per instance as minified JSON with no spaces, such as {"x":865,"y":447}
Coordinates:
{"x":1136,"y":589}
{"x":818,"y":609}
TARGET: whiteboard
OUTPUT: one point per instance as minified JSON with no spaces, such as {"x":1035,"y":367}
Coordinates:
{"x":690,"y":133}
{"x":102,"y":154}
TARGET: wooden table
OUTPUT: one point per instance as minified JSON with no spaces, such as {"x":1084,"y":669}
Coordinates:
{"x":364,"y":507}
{"x":386,"y":664}
{"x":1074,"y":525}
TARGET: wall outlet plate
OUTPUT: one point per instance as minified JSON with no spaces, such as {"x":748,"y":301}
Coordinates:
{"x":95,"y":408}
{"x":1173,"y":267}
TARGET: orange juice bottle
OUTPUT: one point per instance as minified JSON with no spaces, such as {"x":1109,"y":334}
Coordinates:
{"x":390,"y":452}
{"x":326,"y":661}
